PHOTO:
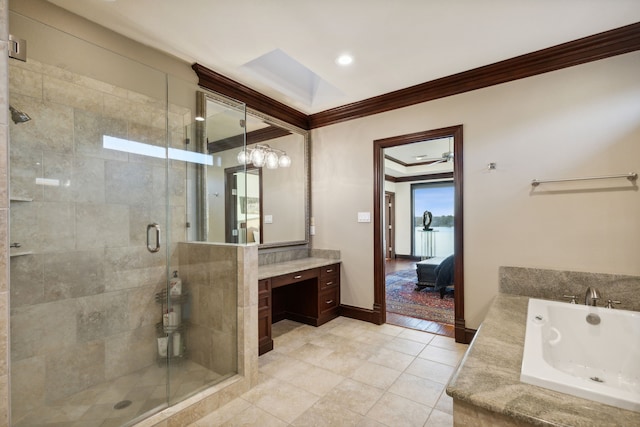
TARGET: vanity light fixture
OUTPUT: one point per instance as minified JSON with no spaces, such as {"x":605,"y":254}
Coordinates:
{"x":264,"y":155}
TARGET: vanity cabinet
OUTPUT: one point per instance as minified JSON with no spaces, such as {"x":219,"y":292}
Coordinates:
{"x":329,"y":293}
{"x":310,"y":296}
{"x":265,"y":343}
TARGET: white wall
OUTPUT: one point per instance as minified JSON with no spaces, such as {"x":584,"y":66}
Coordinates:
{"x":579,"y":121}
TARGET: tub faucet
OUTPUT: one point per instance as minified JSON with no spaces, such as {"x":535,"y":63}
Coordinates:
{"x":591,"y":296}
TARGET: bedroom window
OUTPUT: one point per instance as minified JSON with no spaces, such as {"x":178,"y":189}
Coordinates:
{"x":437,"y":198}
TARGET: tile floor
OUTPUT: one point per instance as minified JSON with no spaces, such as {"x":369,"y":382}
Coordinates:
{"x":348,"y":373}
{"x":145,"y":390}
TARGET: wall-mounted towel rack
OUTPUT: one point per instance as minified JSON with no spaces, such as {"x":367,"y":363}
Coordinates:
{"x":631,"y":176}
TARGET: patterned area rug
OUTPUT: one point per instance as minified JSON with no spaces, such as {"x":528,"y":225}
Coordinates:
{"x":402,"y":297}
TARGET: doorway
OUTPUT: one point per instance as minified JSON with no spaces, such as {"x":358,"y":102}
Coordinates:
{"x":243,"y":201}
{"x":380,"y":250}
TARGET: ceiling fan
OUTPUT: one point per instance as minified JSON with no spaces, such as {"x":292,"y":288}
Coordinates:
{"x":447,"y":156}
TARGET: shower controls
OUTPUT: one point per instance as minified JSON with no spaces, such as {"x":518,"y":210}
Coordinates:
{"x":151,"y":247}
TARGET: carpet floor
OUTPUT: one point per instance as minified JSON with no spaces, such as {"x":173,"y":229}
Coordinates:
{"x":402,"y":297}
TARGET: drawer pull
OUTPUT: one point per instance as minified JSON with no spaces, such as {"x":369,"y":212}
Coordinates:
{"x":297,"y":277}
{"x":329,"y":270}
{"x":329,"y":302}
{"x":329,"y":283}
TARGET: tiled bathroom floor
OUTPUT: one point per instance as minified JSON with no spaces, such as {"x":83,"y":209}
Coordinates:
{"x":146,"y":389}
{"x":347,"y":373}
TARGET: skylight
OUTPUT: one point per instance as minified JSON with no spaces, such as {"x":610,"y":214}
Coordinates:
{"x":291,"y":78}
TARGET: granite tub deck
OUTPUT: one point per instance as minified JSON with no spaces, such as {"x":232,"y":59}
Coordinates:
{"x":288,"y":267}
{"x":486,"y":387}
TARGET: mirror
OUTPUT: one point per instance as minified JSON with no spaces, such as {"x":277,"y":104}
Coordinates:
{"x":257,"y":189}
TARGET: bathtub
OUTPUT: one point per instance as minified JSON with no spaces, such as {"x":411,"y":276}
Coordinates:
{"x":589,"y":352}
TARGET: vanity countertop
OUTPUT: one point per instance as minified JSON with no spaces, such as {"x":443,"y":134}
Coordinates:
{"x":488,"y":377}
{"x":287,"y":267}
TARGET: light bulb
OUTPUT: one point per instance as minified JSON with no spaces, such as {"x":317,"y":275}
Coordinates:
{"x":257,"y":157}
{"x":243,"y":157}
{"x":284,"y":161}
{"x":271,"y":159}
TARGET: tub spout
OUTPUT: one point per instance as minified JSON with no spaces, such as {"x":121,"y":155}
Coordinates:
{"x":591,"y":296}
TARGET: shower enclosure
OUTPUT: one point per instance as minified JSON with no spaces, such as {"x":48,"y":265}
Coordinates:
{"x":102,"y":180}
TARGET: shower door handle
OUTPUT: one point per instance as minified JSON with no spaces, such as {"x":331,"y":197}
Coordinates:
{"x":150,"y":227}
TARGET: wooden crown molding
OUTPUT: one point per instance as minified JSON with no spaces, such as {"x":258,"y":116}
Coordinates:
{"x":425,"y":177}
{"x":253,"y":137}
{"x":592,"y":48}
{"x":216,"y":82}
{"x":599,"y":46}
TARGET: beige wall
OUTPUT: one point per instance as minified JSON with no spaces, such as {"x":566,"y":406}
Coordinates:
{"x":580,"y":121}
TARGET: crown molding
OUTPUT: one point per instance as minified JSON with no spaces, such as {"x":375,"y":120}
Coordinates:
{"x":216,"y":82}
{"x":253,"y":137}
{"x":587,"y":49}
{"x":592,"y":48}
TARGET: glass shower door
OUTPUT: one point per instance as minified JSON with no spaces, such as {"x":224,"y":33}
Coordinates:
{"x":89,"y":198}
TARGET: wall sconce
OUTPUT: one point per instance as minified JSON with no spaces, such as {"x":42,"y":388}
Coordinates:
{"x":264,"y":155}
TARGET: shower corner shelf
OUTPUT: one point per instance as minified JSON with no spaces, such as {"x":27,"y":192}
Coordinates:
{"x":21,"y":253}
{"x":172,"y":332}
{"x":20,"y":199}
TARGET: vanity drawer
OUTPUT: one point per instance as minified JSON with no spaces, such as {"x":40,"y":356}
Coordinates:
{"x":329,"y":276}
{"x":328,"y":300}
{"x":330,"y":270}
{"x":298,"y":276}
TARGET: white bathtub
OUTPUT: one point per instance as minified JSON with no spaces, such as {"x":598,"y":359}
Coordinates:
{"x":566,"y":353}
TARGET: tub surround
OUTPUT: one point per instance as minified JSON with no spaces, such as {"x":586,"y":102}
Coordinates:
{"x":553,"y":284}
{"x":486,"y":385}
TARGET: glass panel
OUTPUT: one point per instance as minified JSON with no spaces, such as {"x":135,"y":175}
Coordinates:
{"x":88,"y":175}
{"x":221,"y":196}
{"x":203,"y":299}
{"x":433,"y":230}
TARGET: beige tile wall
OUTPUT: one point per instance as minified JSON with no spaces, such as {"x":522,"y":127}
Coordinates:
{"x":82,"y":304}
{"x":101,"y":279}
{"x":209,"y":274}
{"x":4,"y":215}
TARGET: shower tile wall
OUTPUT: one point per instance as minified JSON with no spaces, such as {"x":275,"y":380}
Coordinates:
{"x":82,"y":304}
{"x":209,"y":273}
{"x":4,"y":215}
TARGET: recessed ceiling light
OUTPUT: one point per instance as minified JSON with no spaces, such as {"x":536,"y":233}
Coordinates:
{"x":344,"y":59}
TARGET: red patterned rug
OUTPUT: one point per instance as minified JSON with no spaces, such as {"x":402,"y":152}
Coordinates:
{"x":403,"y":298}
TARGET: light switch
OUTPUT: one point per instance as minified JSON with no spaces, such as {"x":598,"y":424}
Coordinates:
{"x":312,"y":230}
{"x":268,"y":219}
{"x":364,"y":216}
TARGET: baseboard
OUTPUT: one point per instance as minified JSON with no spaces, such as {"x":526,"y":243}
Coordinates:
{"x":359,"y":313}
{"x":463,"y":334}
{"x":469,"y":334}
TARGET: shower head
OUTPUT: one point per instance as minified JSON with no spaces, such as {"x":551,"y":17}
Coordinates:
{"x":18,"y":116}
